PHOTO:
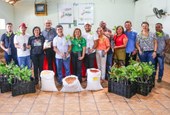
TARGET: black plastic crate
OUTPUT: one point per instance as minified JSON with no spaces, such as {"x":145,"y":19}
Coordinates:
{"x":4,"y":85}
{"x":23,"y":87}
{"x":120,"y":88}
{"x":144,"y":88}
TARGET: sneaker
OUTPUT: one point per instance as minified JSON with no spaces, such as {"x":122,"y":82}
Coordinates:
{"x":159,"y":80}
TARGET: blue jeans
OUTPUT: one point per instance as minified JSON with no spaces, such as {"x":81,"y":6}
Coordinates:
{"x":9,"y":58}
{"x":147,"y":57}
{"x":108,"y":64}
{"x":160,"y":62}
{"x":24,"y":61}
{"x":59,"y":64}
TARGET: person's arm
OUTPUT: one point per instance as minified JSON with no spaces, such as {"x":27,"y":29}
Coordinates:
{"x":3,"y":47}
{"x":155,"y":48}
{"x":107,"y":45}
{"x":84,"y":48}
{"x":16,"y":44}
{"x":55,"y":47}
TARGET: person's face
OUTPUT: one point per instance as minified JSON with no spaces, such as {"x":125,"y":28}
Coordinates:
{"x":128,"y":26}
{"x":103,"y":25}
{"x":119,"y":31}
{"x":22,"y":29}
{"x":87,"y":27}
{"x":100,"y":31}
{"x":158,"y":28}
{"x":48,"y":24}
{"x":9,"y":28}
{"x":77,"y":33}
{"x":145,"y":27}
{"x":59,"y":31}
{"x":36,"y":32}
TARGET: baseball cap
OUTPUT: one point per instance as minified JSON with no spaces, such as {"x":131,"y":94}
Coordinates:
{"x":23,"y":25}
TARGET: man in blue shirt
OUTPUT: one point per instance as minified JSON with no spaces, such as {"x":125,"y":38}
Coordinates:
{"x":161,"y":38}
{"x":49,"y":33}
{"x":131,"y":51}
{"x":7,"y":44}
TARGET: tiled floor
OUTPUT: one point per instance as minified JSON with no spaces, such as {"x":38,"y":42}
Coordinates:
{"x":89,"y":103}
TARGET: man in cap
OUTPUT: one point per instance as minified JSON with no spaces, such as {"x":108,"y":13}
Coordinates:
{"x":21,"y":41}
{"x":91,"y":44}
{"x":7,"y":44}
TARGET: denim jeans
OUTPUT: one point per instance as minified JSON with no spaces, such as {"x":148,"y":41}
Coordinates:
{"x":159,"y":61}
{"x":147,"y":57}
{"x":9,"y":58}
{"x":108,"y":64}
{"x":59,"y":64}
{"x":24,"y":61}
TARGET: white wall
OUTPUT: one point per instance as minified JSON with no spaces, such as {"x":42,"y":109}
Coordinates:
{"x":114,"y":12}
{"x":6,"y":12}
{"x":144,"y":12}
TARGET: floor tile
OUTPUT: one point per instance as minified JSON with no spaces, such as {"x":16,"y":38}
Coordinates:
{"x":23,"y":108}
{"x":143,"y":112}
{"x":56,"y":107}
{"x":137,"y":105}
{"x":72,"y":99}
{"x":88,"y":107}
{"x":125,"y":112}
{"x":7,"y":108}
{"x":39,"y":108}
{"x":58,"y":99}
{"x":86,"y":99}
{"x":71,"y":113}
{"x":104,"y":106}
{"x":120,"y":106}
{"x":73,"y":107}
{"x":90,"y":113}
{"x":107,"y":112}
{"x":54,"y":113}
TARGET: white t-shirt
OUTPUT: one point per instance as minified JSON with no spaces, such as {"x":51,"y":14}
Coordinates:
{"x":62,"y":45}
{"x":21,"y":39}
{"x":90,"y":38}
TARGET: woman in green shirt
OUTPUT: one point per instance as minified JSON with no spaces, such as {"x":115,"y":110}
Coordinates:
{"x":78,"y":52}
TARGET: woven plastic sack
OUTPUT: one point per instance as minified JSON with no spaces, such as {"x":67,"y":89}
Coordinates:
{"x":93,"y":79}
{"x":47,"y":81}
{"x":74,"y":86}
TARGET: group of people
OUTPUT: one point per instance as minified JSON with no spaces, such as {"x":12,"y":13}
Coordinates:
{"x":101,"y":46}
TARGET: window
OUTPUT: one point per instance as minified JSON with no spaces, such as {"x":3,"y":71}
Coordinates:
{"x":2,"y":23}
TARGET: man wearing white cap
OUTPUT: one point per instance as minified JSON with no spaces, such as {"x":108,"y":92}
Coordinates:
{"x":21,"y":41}
{"x":91,"y":44}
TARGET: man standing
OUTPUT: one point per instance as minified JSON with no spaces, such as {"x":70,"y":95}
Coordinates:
{"x":7,"y":44}
{"x":49,"y":33}
{"x":90,"y":46}
{"x":131,"y":51}
{"x":62,"y":48}
{"x":161,"y":38}
{"x":21,"y":41}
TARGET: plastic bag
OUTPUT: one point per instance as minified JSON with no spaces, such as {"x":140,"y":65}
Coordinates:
{"x":93,"y":79}
{"x":47,"y":81}
{"x":71,"y":86}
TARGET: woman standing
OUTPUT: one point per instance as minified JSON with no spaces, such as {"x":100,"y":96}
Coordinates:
{"x":120,"y":41}
{"x":36,"y":42}
{"x":146,"y":44}
{"x":78,"y":52}
{"x":103,"y":46}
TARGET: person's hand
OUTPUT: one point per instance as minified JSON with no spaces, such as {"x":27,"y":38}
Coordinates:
{"x":134,"y":52}
{"x":140,"y":52}
{"x":81,"y":58}
{"x":154,"y":55}
{"x":6,"y":50}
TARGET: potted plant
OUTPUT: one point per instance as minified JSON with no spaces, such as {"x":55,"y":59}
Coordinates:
{"x":4,"y":74}
{"x":21,"y":82}
{"x":122,"y":81}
